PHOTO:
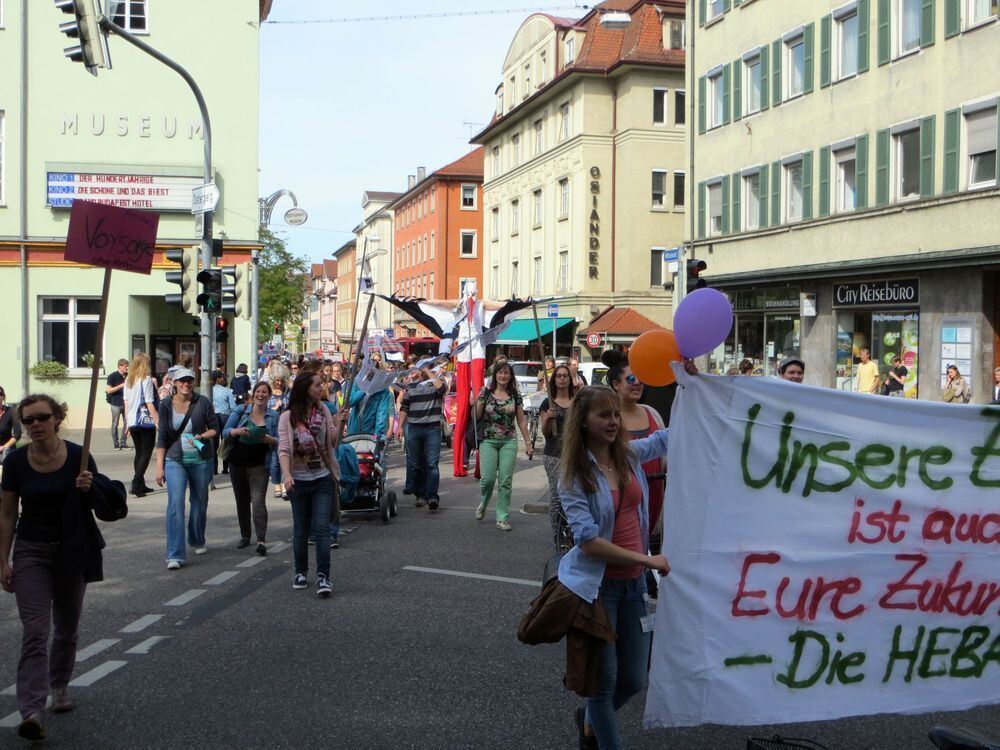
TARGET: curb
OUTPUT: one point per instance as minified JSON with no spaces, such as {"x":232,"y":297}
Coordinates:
{"x":539,"y":507}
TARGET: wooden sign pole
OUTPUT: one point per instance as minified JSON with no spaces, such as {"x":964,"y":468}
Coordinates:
{"x":541,"y":345}
{"x":96,"y":370}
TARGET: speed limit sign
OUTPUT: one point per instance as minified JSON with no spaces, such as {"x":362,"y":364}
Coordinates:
{"x":593,"y":340}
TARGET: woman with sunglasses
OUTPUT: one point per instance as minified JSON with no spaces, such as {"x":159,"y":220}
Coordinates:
{"x":638,"y":421}
{"x":10,"y":428}
{"x":254,"y":429}
{"x":553,"y":417}
{"x":141,"y":418}
{"x":184,"y":458}
{"x":278,"y":380}
{"x":46,"y":576}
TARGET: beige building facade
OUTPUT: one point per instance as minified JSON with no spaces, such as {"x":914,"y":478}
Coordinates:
{"x":584,"y":165}
{"x":846,"y":184}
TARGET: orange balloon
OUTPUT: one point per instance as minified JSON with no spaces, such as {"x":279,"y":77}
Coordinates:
{"x":650,"y":357}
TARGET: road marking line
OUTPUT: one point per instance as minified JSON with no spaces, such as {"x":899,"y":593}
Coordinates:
{"x":146,"y":645}
{"x":186,"y":597}
{"x":279,"y":547}
{"x":250,"y":562}
{"x":12,"y":690}
{"x":221,"y":578}
{"x":11,"y":720}
{"x":141,"y":624}
{"x":88,"y":679}
{"x":96,"y":648}
{"x":479,"y":576}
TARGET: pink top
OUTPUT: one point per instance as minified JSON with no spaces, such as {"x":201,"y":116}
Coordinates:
{"x":627,"y":533}
{"x":324,"y":437}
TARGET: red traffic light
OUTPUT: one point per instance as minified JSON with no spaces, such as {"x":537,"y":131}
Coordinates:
{"x":277,"y":328}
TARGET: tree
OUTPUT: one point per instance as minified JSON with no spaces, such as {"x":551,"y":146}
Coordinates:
{"x":281,"y":276}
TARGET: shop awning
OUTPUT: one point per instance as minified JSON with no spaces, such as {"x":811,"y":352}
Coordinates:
{"x":522,"y":331}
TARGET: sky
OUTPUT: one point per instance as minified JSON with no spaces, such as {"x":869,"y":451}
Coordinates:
{"x":349,"y":107}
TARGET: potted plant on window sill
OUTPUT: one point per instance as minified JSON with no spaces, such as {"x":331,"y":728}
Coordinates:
{"x":49,"y":370}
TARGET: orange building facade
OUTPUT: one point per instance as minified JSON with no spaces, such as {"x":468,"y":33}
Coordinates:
{"x":437,"y":240}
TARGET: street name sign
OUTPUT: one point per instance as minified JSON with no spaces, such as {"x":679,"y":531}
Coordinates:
{"x":204,"y":198}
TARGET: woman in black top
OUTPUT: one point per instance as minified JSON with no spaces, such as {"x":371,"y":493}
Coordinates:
{"x":49,"y":587}
{"x":10,"y":428}
{"x":553,"y":415}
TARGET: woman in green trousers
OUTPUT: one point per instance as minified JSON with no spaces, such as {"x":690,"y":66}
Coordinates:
{"x":499,"y":408}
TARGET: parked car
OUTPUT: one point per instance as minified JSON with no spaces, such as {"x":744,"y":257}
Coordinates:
{"x":593,"y":372}
{"x":526,"y":374}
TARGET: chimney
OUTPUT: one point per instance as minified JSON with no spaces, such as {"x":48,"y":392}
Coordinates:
{"x":411,"y":181}
{"x":421,"y":173}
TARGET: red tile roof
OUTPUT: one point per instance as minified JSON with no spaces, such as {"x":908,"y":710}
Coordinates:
{"x":469,"y":165}
{"x":316,"y":270}
{"x":621,"y":321}
{"x":330,"y":269}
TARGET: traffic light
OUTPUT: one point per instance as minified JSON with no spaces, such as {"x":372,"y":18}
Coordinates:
{"x":210,"y":299}
{"x":241,"y":293}
{"x":302,"y":331}
{"x":277,"y":329}
{"x":187,"y":257}
{"x":91,"y":48}
{"x":228,"y":288}
{"x":221,"y":329}
{"x":694,"y":269}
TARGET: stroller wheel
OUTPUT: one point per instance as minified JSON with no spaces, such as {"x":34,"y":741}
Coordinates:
{"x":391,"y":497}
{"x":383,"y":507}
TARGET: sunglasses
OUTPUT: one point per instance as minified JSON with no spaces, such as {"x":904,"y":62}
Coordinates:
{"x":185,"y":381}
{"x":631,"y":379}
{"x":39,"y":418}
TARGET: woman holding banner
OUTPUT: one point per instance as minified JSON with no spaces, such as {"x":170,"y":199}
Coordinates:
{"x":142,"y":419}
{"x":603,"y":490}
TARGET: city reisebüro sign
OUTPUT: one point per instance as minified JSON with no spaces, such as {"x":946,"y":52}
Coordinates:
{"x":876,"y":293}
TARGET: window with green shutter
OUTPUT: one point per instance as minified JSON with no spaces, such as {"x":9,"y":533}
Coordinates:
{"x":763,"y":193}
{"x":824,"y":181}
{"x":861,"y":171}
{"x":809,"y":42}
{"x":726,"y":95}
{"x":702,"y":88}
{"x":735,"y":223}
{"x":927,"y":157}
{"x":725,"y":205}
{"x":807,"y":186}
{"x":952,"y":141}
{"x":775,"y":193}
{"x":864,"y":25}
{"x":927,"y":23}
{"x":701,"y":210}
{"x":881,"y":167}
{"x":884,"y":40}
{"x":952,"y":18}
{"x":776,"y":73}
{"x":702,"y":11}
{"x":765,"y":78}
{"x":737,"y":89}
{"x":825,"y":57}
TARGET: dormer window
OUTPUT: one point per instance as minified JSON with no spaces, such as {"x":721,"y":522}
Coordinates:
{"x":500,"y":101}
{"x":570,"y":49}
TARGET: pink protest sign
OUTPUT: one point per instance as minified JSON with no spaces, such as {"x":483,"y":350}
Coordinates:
{"x":111,"y":237}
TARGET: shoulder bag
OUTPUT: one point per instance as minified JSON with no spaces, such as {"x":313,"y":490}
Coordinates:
{"x":143,"y":419}
{"x":227,"y":443}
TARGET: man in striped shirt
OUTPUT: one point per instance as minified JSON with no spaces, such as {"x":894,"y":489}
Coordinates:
{"x":420,"y":416}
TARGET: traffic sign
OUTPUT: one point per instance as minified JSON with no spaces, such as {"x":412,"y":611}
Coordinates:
{"x":204,"y":198}
{"x":593,"y":340}
{"x":671,"y":255}
{"x":554,"y":310}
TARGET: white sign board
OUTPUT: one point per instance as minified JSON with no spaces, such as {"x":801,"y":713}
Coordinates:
{"x":833,"y":554}
{"x":204,"y":198}
{"x":142,"y":191}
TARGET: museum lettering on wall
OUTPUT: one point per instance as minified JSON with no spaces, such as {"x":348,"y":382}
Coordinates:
{"x":145,"y":126}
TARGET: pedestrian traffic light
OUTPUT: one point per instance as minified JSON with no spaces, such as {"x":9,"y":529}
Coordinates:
{"x":91,"y":48}
{"x":210,"y":299}
{"x":187,"y":257}
{"x":221,"y":329}
{"x":694,"y":269}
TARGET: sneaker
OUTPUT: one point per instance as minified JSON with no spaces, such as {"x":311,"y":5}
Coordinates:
{"x":419,"y":502}
{"x":503,"y":526}
{"x":173,"y":564}
{"x":312,"y":540}
{"x":481,"y":512}
{"x":32,"y":729}
{"x":299,"y":582}
{"x":433,"y":503}
{"x":262,"y":549}
{"x":334,"y":543}
{"x":243,"y":543}
{"x":323,"y":587}
{"x":61,"y":701}
{"x":201,"y":550}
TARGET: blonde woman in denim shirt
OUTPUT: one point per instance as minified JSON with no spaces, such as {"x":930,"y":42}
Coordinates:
{"x":605,"y":496}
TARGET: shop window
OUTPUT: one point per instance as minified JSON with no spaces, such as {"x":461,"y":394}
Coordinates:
{"x":846,"y":172}
{"x":885,"y":335}
{"x":751,"y":201}
{"x":69,"y":330}
{"x":982,"y":131}
{"x":907,"y":164}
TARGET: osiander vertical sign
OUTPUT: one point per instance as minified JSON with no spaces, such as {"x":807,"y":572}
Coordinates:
{"x":111,"y":238}
{"x":833,"y":554}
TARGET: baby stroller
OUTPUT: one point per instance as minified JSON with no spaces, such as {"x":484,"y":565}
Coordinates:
{"x":365,"y":492}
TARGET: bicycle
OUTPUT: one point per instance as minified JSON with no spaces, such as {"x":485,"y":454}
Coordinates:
{"x":943,"y":738}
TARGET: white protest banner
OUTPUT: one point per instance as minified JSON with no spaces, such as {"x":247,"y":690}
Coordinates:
{"x":833,"y":554}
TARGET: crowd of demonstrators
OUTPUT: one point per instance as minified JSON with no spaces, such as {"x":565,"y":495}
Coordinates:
{"x":53,"y":557}
{"x":552,"y":421}
{"x":605,"y":496}
{"x":500,"y":409}
{"x":10,"y":428}
{"x":420,"y":413}
{"x":184,"y":460}
{"x":142,"y":418}
{"x":307,"y":437}
{"x":253,"y":431}
{"x":115,"y":396}
{"x":277,"y":376}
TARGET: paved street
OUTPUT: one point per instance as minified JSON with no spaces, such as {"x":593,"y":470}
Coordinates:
{"x":224,"y":654}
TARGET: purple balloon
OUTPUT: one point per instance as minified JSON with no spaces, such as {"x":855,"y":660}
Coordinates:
{"x":703,"y":320}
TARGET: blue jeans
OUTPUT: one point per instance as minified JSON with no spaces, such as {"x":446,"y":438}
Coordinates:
{"x":423,"y":453}
{"x":179,"y":478}
{"x":311,"y":500}
{"x":623,"y":663}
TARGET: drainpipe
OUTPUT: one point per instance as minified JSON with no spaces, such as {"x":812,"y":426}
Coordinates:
{"x":23,"y":208}
{"x":614,"y":185}
{"x":687,"y":249}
